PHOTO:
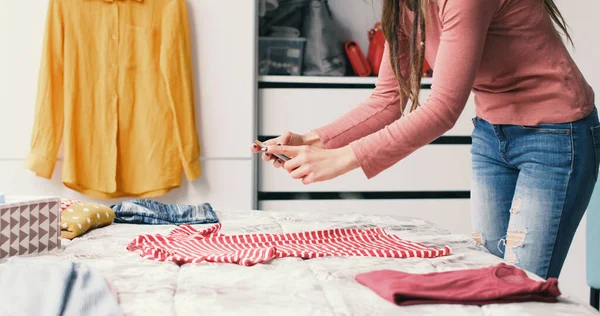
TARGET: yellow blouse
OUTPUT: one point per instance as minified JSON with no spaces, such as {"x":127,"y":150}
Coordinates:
{"x":116,"y":84}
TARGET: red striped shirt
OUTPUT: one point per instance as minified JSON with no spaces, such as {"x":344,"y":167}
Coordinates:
{"x":184,"y":244}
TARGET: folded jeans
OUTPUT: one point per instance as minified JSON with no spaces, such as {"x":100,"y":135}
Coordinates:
{"x":144,"y":211}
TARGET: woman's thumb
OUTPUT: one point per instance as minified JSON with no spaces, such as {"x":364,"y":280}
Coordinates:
{"x":280,"y":140}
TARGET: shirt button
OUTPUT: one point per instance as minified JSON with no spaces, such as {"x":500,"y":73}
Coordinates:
{"x":114,"y":36}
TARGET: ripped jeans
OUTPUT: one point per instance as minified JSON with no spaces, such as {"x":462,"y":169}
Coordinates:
{"x":530,"y":188}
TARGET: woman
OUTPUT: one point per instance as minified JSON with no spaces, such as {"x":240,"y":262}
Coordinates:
{"x":536,"y":136}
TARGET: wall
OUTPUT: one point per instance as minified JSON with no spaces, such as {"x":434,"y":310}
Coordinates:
{"x":223,"y":46}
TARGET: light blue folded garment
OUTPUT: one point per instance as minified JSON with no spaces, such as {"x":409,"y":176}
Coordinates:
{"x":43,"y":287}
{"x":144,"y":211}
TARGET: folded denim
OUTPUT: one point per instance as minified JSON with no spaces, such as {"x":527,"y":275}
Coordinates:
{"x":144,"y":211}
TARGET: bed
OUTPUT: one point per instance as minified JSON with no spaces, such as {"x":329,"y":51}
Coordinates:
{"x":288,"y":286}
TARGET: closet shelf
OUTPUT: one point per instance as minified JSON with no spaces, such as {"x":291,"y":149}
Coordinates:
{"x":316,"y":79}
{"x":323,"y":81}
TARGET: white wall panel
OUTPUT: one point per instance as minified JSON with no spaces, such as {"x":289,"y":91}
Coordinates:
{"x":224,"y":183}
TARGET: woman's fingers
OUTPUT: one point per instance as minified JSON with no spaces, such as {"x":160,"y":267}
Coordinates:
{"x":280,"y":140}
{"x":259,"y":147}
{"x":290,"y":151}
{"x":300,"y":172}
{"x":279,"y":162}
{"x":308,"y":179}
{"x":271,"y":142}
{"x":266,"y":157}
{"x":292,"y":164}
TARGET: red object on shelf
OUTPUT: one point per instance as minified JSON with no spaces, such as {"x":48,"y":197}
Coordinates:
{"x":376,"y":46}
{"x":357,"y":59}
{"x":427,"y":70}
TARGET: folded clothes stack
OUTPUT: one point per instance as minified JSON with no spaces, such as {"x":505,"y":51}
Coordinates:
{"x":79,"y":217}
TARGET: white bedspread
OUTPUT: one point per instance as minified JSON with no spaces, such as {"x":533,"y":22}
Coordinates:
{"x":289,"y":286}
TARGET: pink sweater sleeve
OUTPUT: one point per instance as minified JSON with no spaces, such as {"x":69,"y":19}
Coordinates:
{"x":380,"y":109}
{"x":464,"y":30}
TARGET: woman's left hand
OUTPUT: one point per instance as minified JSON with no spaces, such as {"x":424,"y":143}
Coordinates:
{"x":316,"y":164}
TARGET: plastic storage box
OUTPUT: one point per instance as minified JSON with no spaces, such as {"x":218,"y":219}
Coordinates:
{"x":280,"y":55}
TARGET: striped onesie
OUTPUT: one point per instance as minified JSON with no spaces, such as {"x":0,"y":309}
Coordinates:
{"x":184,"y":244}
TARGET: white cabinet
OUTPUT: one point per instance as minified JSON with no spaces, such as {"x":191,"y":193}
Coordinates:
{"x":302,"y":109}
{"x":432,"y":183}
{"x":431,"y":168}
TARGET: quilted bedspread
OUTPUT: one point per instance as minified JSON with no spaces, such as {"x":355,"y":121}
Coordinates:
{"x":288,"y":286}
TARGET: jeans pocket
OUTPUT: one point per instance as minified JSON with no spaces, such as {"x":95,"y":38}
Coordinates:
{"x":557,"y":129}
{"x":596,"y":140}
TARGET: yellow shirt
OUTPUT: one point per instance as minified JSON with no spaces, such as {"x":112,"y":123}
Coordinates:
{"x":116,"y":85}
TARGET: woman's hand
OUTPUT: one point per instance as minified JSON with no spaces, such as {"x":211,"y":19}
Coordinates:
{"x":313,"y":164}
{"x":290,"y":139}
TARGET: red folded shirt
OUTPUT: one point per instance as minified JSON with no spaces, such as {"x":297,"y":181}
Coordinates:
{"x":492,"y":285}
{"x":184,"y":244}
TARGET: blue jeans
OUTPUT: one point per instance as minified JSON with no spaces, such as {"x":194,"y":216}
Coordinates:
{"x":530,"y":188}
{"x":145,"y":211}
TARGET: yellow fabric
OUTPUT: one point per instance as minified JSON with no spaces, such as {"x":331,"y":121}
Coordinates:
{"x":79,"y":218}
{"x":116,"y":77}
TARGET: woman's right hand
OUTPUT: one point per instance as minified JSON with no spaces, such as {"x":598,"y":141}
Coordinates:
{"x":289,"y":139}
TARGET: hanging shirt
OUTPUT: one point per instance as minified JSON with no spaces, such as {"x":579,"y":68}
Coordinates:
{"x":116,"y":86}
{"x":185,"y":244}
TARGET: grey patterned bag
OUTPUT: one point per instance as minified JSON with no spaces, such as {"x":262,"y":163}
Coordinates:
{"x":323,"y":52}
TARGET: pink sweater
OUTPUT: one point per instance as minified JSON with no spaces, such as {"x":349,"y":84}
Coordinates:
{"x":506,"y":52}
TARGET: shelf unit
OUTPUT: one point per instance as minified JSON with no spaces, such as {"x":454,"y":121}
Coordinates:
{"x":435,"y":180}
{"x":326,"y":80}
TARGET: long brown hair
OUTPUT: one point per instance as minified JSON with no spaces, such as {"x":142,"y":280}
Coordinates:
{"x":394,"y":25}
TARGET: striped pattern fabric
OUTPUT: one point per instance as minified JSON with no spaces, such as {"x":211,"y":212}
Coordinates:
{"x":185,"y":244}
{"x":65,"y":203}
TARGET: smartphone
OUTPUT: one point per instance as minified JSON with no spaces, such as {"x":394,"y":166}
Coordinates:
{"x":280,"y":156}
